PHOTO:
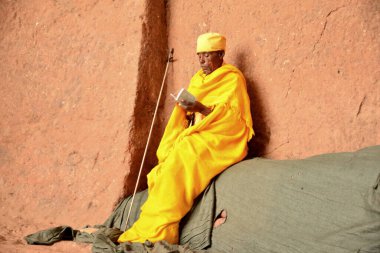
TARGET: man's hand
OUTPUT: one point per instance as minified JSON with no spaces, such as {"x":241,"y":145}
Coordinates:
{"x":194,"y":107}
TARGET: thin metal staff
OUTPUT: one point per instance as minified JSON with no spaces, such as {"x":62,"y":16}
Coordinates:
{"x":170,"y":59}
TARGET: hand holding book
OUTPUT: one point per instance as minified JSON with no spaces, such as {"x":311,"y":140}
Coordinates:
{"x":188,"y":102}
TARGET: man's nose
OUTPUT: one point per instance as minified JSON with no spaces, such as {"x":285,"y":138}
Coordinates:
{"x":201,"y":59}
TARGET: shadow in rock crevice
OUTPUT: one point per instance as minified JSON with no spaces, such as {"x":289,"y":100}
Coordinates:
{"x":258,"y":144}
{"x":151,"y":68}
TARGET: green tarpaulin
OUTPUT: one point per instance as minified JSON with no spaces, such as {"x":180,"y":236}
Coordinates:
{"x":327,"y":203}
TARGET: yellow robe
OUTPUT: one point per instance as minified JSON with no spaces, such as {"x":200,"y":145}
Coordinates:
{"x":189,"y":157}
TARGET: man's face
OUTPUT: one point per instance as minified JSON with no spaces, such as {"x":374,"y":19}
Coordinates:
{"x":210,"y":61}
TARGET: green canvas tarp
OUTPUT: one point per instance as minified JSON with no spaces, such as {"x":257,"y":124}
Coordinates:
{"x":326,"y":203}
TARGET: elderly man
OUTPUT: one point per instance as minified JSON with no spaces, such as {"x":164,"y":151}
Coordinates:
{"x":201,"y":139}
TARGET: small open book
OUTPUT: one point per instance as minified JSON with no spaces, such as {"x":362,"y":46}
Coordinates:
{"x":183,"y":94}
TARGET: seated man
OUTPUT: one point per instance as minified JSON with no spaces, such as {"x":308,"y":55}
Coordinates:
{"x":201,"y":140}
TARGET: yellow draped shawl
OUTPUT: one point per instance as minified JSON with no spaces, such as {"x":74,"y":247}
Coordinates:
{"x":189,"y":157}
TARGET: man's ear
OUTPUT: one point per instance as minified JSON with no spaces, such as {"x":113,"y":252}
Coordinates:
{"x":221,"y":54}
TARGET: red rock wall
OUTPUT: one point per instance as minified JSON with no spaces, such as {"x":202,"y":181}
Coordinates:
{"x":151,"y":67}
{"x":72,"y":75}
{"x":312,"y":68}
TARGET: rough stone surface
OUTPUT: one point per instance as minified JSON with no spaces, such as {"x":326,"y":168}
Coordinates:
{"x":151,"y":68}
{"x":312,"y":68}
{"x":68,"y":80}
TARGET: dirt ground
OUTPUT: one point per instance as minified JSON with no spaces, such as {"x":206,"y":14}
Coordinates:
{"x":13,"y":231}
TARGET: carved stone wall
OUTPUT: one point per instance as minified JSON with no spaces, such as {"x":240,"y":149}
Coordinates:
{"x":312,"y":68}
